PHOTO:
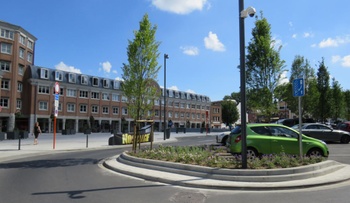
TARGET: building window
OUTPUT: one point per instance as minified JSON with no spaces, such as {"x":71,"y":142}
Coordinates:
{"x":72,"y":78}
{"x":5,"y":84}
{"x":19,"y":104}
{"x":44,"y":73}
{"x":116,"y":84}
{"x":43,"y":106}
{"x":182,"y":105}
{"x":156,"y":102}
{"x":176,"y":115}
{"x":43,"y":89}
{"x":94,"y":81}
{"x":30,"y":44}
{"x":125,"y":111}
{"x":115,"y":110}
{"x":83,"y":108}
{"x":5,"y":66}
{"x":83,"y":94}
{"x":22,"y":39}
{"x":105,"y":109}
{"x":124,"y":99}
{"x":20,"y":69}
{"x":84,"y":80}
{"x":170,"y":114}
{"x":105,"y":96}
{"x":59,"y":106}
{"x":21,"y":53}
{"x":29,"y":57}
{"x":115,"y":97}
{"x":19,"y":87}
{"x":8,"y":34}
{"x":95,"y":95}
{"x":4,"y":102}
{"x":70,"y":107}
{"x":6,"y":48}
{"x":71,"y":93}
{"x":105,"y":83}
{"x":58,"y":75}
{"x":94,"y":109}
{"x":156,"y":113}
{"x":182,"y":115}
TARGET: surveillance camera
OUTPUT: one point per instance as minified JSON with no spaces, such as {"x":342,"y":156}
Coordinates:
{"x":251,"y":11}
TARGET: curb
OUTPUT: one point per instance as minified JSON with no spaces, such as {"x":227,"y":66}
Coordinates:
{"x":325,"y":173}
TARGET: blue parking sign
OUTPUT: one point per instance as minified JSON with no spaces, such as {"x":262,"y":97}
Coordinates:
{"x":298,"y":87}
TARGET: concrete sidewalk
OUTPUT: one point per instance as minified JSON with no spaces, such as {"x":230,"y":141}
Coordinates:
{"x":9,"y":149}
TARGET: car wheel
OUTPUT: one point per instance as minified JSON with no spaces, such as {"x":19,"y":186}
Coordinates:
{"x":314,"y":152}
{"x":224,"y":139}
{"x":252,"y":153}
{"x":345,"y":139}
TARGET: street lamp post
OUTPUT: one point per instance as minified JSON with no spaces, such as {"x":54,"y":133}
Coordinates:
{"x":243,"y":14}
{"x":164,"y":93}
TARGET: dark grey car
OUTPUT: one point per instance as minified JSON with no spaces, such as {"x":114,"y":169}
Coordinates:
{"x":324,"y":132}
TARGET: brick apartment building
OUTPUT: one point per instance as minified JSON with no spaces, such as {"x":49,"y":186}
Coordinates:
{"x":27,"y":94}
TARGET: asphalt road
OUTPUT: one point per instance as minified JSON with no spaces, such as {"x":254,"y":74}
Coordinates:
{"x":78,"y":177}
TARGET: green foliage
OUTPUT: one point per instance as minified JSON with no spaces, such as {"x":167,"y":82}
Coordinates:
{"x":264,"y":68}
{"x":324,"y":89}
{"x":212,"y":157}
{"x":229,"y":112}
{"x":140,"y":73}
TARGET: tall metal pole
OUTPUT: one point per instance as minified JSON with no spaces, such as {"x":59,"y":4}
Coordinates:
{"x":164,"y":93}
{"x":243,"y":86}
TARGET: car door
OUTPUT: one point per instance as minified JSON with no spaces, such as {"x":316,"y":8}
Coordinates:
{"x":284,"y":140}
{"x":314,"y":131}
{"x":328,"y":134}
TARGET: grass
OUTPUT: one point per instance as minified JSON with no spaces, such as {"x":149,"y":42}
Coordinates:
{"x":212,"y":156}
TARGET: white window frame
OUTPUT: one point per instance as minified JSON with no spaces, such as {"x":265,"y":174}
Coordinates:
{"x":105,"y":96}
{"x":115,"y":97}
{"x":19,"y":87}
{"x":116,"y":84}
{"x":84,"y":80}
{"x":19,"y":104}
{"x":44,"y":73}
{"x":70,"y":107}
{"x":20,"y":69}
{"x":5,"y":102}
{"x":58,"y":75}
{"x":71,"y":93}
{"x":5,"y":66}
{"x":30,"y":44}
{"x":105,"y":110}
{"x":6,"y":48}
{"x":43,"y":89}
{"x":22,"y":39}
{"x":124,"y":111}
{"x":105,"y":83}
{"x":95,"y":81}
{"x":43,"y":106}
{"x":5,"y":84}
{"x":72,"y":77}
{"x":95,"y":95}
{"x":115,"y":110}
{"x":83,"y":94}
{"x":94,"y":109}
{"x":29,"y":57}
{"x":83,"y":108}
{"x":21,"y":53}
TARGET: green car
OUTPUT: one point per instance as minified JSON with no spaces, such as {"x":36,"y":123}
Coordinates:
{"x":268,"y":138}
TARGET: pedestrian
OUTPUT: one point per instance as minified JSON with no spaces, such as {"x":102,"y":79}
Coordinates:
{"x":36,"y":132}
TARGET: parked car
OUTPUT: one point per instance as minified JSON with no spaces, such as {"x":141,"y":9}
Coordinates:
{"x":324,"y":132}
{"x":268,"y":138}
{"x":293,"y":121}
{"x":222,"y":137}
{"x":344,"y":126}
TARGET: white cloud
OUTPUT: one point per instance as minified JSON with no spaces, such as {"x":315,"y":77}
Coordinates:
{"x":173,"y":88}
{"x":294,"y":36}
{"x":190,"y":50}
{"x":180,"y":6}
{"x":334,"y":42}
{"x":344,"y":61}
{"x":191,"y":91}
{"x":283,"y":79}
{"x":106,"y":66}
{"x":212,"y":42}
{"x":62,"y":66}
{"x":336,"y":58}
{"x":308,"y":34}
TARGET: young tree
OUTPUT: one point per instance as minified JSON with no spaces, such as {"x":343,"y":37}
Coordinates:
{"x":347,"y":104}
{"x":264,"y":69}
{"x":140,"y":73}
{"x":337,"y":100}
{"x":229,"y":112}
{"x":324,"y":89}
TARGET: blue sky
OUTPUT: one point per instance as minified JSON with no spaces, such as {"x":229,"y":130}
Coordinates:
{"x":201,"y":37}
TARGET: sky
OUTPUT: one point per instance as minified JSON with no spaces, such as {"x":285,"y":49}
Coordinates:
{"x":201,"y":37}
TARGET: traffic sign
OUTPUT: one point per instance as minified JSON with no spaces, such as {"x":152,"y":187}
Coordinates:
{"x":57,"y":88}
{"x":298,"y":87}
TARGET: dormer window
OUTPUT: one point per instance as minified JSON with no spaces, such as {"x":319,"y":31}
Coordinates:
{"x":116,"y":84}
{"x":72,"y":78}
{"x":105,"y":83}
{"x":44,"y":73}
{"x":95,"y":81}
{"x":58,"y":75}
{"x":84,"y":80}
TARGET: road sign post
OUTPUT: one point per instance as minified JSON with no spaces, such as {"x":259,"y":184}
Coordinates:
{"x":56,"y":104}
{"x":299,"y":91}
